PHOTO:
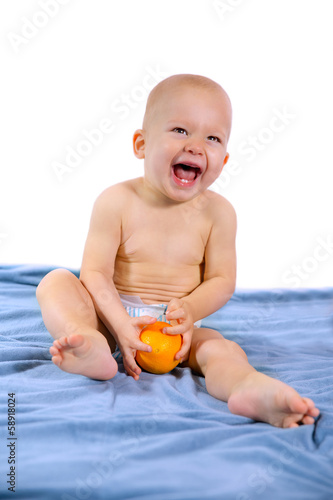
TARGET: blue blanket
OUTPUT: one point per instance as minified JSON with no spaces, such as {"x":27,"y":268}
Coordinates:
{"x":164,"y":437}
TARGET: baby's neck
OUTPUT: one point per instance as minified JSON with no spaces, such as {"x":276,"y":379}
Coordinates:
{"x":153,"y":197}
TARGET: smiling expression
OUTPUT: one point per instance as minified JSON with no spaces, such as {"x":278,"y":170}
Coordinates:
{"x":184,"y":141}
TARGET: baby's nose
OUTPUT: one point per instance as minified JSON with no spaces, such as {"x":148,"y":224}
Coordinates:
{"x":194,"y":147}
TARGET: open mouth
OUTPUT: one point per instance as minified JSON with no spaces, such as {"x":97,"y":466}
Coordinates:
{"x":184,"y":174}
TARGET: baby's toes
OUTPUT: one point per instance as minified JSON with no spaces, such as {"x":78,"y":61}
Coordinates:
{"x":312,"y":410}
{"x":297,"y":405}
{"x":57,"y":344}
{"x":74,"y":340}
{"x":291,"y":426}
{"x":57,"y":359}
{"x":54,"y":351}
{"x":62,"y":342}
{"x":309,"y":403}
{"x":292,"y":420}
{"x":307,"y":420}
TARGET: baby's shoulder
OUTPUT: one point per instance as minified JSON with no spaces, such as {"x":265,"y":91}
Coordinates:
{"x":218,"y":205}
{"x":118,"y":194}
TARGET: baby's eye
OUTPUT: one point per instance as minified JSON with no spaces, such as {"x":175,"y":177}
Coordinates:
{"x":180,"y":130}
{"x":213,"y":138}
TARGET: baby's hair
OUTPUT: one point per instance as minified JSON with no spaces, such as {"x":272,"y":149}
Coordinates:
{"x":178,"y":81}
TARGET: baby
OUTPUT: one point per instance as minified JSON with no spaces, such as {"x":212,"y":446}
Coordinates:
{"x":165,"y":243}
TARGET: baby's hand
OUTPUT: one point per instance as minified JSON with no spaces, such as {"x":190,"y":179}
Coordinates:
{"x":129,"y":342}
{"x":178,"y":310}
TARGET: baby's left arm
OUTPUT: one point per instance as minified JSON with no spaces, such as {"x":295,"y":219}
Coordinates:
{"x":219,"y":279}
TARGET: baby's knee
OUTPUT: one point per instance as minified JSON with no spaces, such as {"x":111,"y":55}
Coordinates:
{"x":220,"y":347}
{"x":53,"y":279}
{"x":235,"y":349}
{"x":209,"y":346}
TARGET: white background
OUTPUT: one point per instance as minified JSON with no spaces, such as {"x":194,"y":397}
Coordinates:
{"x":67,"y":68}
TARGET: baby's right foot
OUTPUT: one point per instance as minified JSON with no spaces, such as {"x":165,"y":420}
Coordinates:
{"x":87,"y":355}
{"x":269,"y":400}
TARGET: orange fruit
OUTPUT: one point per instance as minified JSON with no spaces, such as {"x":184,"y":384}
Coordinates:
{"x":162,"y":358}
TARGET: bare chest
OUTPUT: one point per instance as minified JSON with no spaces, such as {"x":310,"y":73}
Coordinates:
{"x":163,"y":238}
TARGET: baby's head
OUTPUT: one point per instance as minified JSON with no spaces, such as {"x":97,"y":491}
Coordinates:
{"x":174,"y":85}
{"x":184,"y":135}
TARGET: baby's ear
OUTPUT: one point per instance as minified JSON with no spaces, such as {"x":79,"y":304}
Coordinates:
{"x":139,"y":144}
{"x":226,"y":158}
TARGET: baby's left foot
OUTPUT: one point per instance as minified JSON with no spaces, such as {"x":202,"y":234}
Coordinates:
{"x":265,"y":399}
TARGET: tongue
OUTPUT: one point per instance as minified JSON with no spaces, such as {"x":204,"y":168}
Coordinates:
{"x":184,"y":172}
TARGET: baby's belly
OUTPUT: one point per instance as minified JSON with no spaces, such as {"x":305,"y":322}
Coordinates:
{"x":155,"y":283}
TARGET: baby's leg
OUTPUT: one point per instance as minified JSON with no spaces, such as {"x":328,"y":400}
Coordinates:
{"x":231,"y":378}
{"x":82,"y":343}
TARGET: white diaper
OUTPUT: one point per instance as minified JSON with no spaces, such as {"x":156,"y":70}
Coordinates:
{"x":136,"y":308}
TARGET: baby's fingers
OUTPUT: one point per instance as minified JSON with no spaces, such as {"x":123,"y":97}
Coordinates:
{"x":174,"y":315}
{"x":142,"y":321}
{"x":131,"y":367}
{"x":176,"y":329}
{"x":141,"y":346}
{"x":174,"y":304}
{"x":181,"y":354}
{"x":183,"y":351}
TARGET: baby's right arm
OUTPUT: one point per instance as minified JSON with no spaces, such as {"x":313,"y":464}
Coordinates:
{"x":97,"y":271}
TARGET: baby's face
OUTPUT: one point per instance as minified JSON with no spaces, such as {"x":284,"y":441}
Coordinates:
{"x":185,"y":142}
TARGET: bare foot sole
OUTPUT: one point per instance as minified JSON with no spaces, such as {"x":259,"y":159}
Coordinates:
{"x":265,"y":399}
{"x":87,"y":355}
